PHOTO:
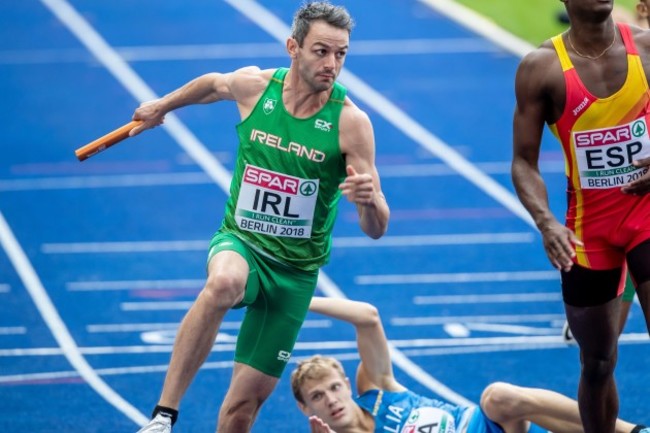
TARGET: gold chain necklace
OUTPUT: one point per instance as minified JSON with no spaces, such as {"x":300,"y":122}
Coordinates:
{"x":587,"y":56}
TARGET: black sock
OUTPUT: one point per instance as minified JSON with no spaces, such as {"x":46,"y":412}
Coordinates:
{"x":638,"y":428}
{"x":170,"y":413}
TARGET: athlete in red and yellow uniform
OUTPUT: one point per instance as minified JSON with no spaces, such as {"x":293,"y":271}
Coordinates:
{"x":601,"y":137}
{"x":589,"y":85}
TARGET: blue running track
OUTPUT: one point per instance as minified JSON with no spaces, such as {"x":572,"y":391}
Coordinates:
{"x":99,"y":260}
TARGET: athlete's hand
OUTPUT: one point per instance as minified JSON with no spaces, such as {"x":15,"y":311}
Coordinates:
{"x":558,"y":243}
{"x":358,"y":188}
{"x":319,"y":426}
{"x":151,"y":115}
{"x":641,"y":186}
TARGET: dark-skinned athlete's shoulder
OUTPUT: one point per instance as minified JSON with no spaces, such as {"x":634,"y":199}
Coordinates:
{"x":540,"y":58}
{"x":541,"y":67}
{"x":642,"y":42}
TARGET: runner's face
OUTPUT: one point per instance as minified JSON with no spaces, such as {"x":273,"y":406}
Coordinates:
{"x":642,"y":12}
{"x":642,"y":4}
{"x":322,"y":55}
{"x":595,"y":10}
{"x":330,"y":398}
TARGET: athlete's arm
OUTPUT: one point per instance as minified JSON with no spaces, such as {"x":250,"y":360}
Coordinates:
{"x":533,"y":105}
{"x":641,"y":186}
{"x":241,"y":85}
{"x":362,"y":185}
{"x":375,"y":370}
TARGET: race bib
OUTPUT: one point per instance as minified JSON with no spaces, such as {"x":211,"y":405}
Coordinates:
{"x":429,"y":420}
{"x":276,"y":204}
{"x":605,"y":155}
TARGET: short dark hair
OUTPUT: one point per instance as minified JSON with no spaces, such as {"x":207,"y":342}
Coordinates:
{"x":336,"y":16}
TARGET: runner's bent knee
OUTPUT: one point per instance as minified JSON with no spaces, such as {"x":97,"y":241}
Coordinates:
{"x":242,"y":410}
{"x":223,"y":291}
{"x":597,"y":369}
{"x":500,"y":402}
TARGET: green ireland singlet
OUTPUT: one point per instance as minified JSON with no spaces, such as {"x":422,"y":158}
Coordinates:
{"x":284,"y":191}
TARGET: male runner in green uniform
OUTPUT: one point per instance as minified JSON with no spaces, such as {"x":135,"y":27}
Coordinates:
{"x":303,"y":143}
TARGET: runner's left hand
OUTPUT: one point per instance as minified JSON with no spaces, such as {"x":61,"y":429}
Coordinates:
{"x":641,"y":186}
{"x":358,"y":187}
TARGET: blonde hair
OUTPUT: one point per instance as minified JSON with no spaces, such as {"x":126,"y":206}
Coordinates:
{"x":314,"y":368}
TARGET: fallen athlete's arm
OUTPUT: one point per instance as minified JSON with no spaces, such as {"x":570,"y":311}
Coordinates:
{"x":362,"y":186}
{"x":532,"y":106}
{"x":242,"y":85}
{"x":376,"y":369}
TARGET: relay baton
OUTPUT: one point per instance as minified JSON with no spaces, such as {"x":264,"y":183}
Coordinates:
{"x":103,"y":143}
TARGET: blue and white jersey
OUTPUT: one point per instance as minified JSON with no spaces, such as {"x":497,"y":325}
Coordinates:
{"x":407,"y":412}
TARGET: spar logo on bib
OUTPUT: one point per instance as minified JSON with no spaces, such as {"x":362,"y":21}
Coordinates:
{"x":429,"y":420}
{"x":276,"y":203}
{"x":605,"y":156}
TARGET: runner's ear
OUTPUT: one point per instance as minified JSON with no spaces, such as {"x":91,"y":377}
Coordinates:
{"x":292,"y":47}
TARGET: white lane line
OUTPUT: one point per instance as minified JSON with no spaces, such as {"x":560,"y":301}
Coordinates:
{"x":108,"y":181}
{"x":156,"y":306}
{"x":502,"y":342}
{"x":200,"y":178}
{"x":429,"y":240}
{"x":510,"y":329}
{"x":488,"y":299}
{"x":481,"y":26}
{"x":144,"y":327}
{"x":31,"y":377}
{"x":96,"y":286}
{"x":418,"y":300}
{"x":325,"y":323}
{"x":440,"y":320}
{"x":123,"y":247}
{"x":55,"y":324}
{"x":338,"y":242}
{"x":101,"y":350}
{"x":12,"y":330}
{"x":462,"y":277}
{"x":499,"y":344}
{"x":397,"y":117}
{"x":431,"y":170}
{"x":469,"y":350}
{"x":382,"y":47}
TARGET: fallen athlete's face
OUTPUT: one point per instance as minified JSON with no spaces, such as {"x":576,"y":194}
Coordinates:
{"x":322,"y":55}
{"x":330,"y":398}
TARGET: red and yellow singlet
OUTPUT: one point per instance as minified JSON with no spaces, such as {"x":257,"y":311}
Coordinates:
{"x":600,"y":138}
